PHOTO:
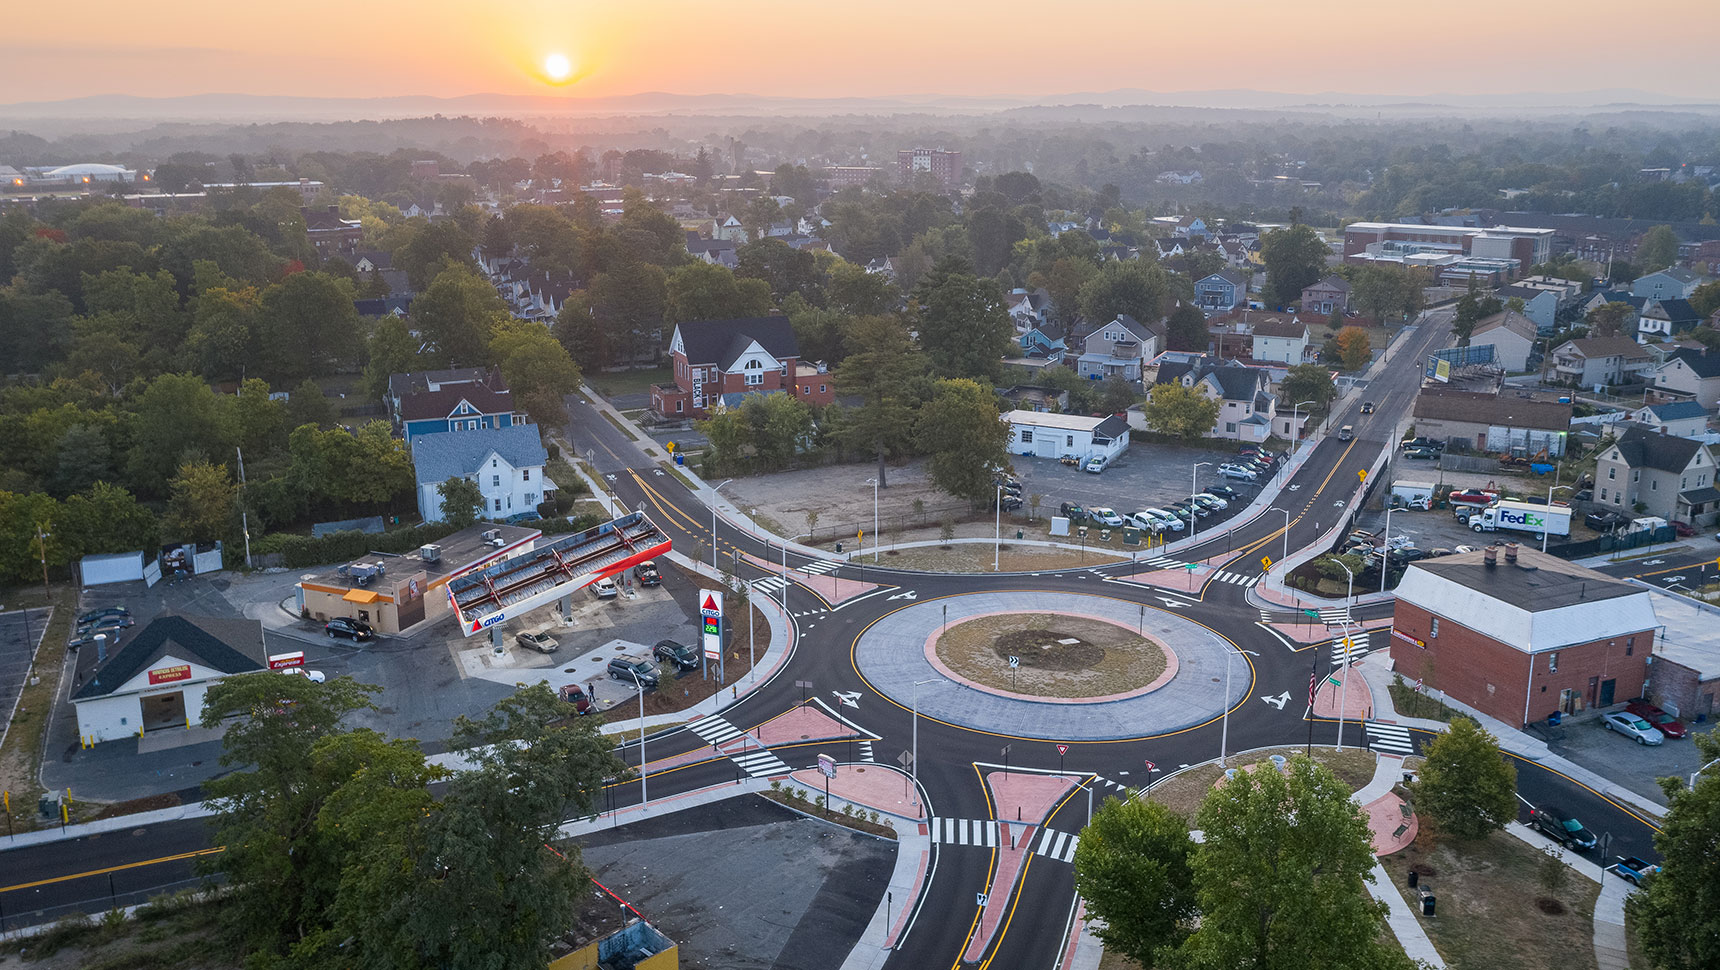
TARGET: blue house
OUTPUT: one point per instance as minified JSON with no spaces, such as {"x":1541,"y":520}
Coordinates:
{"x":1044,"y":340}
{"x":1223,"y":290}
{"x":435,"y":402}
{"x":1668,"y":284}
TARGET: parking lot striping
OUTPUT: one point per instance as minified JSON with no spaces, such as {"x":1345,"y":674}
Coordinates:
{"x":1389,"y":738}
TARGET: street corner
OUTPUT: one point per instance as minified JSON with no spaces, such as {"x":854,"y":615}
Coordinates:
{"x":870,"y":786}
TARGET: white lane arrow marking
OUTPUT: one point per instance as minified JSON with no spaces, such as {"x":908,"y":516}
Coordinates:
{"x":1653,"y":562}
{"x":1278,"y":701}
{"x":851,"y":698}
{"x":906,"y":595}
{"x":1173,"y":604}
{"x":1295,"y":488}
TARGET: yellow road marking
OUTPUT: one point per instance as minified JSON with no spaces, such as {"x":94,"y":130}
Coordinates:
{"x":119,"y":868}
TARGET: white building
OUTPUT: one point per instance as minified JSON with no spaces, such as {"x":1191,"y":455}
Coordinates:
{"x":158,"y":680}
{"x":1282,"y":341}
{"x":1038,"y":434}
{"x":506,"y":463}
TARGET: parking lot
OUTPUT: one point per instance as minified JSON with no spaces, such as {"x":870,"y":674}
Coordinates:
{"x":20,"y":631}
{"x":1634,"y":766}
{"x":1148,"y":474}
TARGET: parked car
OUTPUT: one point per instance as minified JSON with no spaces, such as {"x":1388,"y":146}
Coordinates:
{"x":541,"y":642}
{"x":314,"y":676}
{"x":351,"y":629}
{"x":605,"y":589}
{"x":1198,"y":508}
{"x":1472,"y":496}
{"x":679,"y":654}
{"x":1422,"y":454}
{"x":629,"y":666}
{"x":94,"y":615}
{"x":1224,"y":492}
{"x":89,"y":640}
{"x":1605,"y":521}
{"x":1212,"y":501}
{"x":1007,"y":484}
{"x":1171,"y":522}
{"x":1683,"y":529}
{"x":1421,"y":442}
{"x":1367,"y":407}
{"x":1095,"y":464}
{"x":647,"y":574}
{"x":107,"y":624}
{"x":1072,"y":512}
{"x":576,"y":695}
{"x":1104,"y":516}
{"x":1635,"y":869}
{"x":1561,"y":828}
{"x":1663,"y":722}
{"x":1010,"y":501}
{"x":1237,"y":472}
{"x":1146,"y":523}
{"x":1632,"y":727}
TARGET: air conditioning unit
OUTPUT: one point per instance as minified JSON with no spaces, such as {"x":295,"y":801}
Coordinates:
{"x":430,"y":553}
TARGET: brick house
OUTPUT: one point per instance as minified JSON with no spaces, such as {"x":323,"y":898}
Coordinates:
{"x":723,"y":360}
{"x":1517,"y":634}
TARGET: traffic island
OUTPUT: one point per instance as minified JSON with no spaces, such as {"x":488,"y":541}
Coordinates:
{"x":1046,"y":655}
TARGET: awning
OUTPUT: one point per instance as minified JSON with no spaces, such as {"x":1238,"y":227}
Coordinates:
{"x":1700,"y":496}
{"x":360,"y":596}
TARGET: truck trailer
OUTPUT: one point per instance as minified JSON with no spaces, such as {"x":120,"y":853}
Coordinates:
{"x":1523,"y":517}
{"x":1412,"y":495}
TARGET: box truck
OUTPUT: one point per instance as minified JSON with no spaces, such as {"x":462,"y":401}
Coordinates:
{"x":1412,"y":495}
{"x":1523,"y":517}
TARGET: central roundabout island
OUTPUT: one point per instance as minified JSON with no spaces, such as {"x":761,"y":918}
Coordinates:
{"x":1058,"y":666}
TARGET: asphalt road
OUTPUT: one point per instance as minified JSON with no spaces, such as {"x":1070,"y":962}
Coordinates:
{"x":1036,"y":930}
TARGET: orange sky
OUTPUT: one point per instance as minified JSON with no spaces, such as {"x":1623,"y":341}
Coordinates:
{"x":363,"y":48}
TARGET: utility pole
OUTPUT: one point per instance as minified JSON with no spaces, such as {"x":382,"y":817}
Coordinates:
{"x":244,"y":514}
{"x":42,"y":546}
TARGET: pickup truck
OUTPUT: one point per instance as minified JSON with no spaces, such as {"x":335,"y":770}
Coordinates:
{"x":1634,"y":869}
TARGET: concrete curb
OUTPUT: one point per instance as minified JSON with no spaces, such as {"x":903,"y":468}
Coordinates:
{"x":103,"y":826}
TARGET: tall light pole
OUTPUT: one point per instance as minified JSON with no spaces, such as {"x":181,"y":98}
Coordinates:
{"x":1295,"y":425}
{"x":785,"y":543}
{"x":1193,"y":490}
{"x":1344,"y":688}
{"x":1700,"y":770}
{"x":1386,"y":550}
{"x":1550,"y":492}
{"x":874,"y":483}
{"x":914,"y":757}
{"x":997,"y":527}
{"x":1224,"y":728}
{"x":1286,"y":528}
{"x":644,"y":795}
{"x":714,"y":492}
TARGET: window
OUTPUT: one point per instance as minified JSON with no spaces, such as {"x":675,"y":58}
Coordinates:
{"x":1603,"y":494}
{"x":1068,"y":441}
{"x":1026,"y":436}
{"x":823,"y":388}
{"x":1230,"y":427}
{"x":1629,"y":646}
{"x":1433,"y":633}
{"x":495,"y":463}
{"x":495,"y":480}
{"x":677,"y":407}
{"x":1612,"y":473}
{"x":498,"y":505}
{"x":1553,"y":662}
{"x":525,"y":474}
{"x":1653,"y":485}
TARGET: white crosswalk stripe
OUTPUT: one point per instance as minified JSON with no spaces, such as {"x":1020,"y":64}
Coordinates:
{"x":981,"y":832}
{"x":761,"y":763}
{"x":822,"y":566}
{"x":1358,"y":648}
{"x":1237,"y":579}
{"x":865,"y":751}
{"x":715,"y":730}
{"x":1334,"y":614}
{"x":1164,"y":562}
{"x":1389,"y":738}
{"x":770,"y":585}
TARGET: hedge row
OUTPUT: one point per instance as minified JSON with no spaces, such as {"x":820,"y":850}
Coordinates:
{"x":298,"y":552}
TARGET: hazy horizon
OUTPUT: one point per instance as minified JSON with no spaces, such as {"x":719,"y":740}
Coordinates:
{"x":1005,"y":49}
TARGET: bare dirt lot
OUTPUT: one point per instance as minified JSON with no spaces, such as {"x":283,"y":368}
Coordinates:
{"x":1060,"y":656}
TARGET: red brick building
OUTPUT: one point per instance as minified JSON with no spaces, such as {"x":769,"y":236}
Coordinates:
{"x":724,"y":360}
{"x":329,"y":233}
{"x":944,"y":166}
{"x":1517,"y":634}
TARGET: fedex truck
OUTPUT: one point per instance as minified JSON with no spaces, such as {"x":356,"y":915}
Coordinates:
{"x":1523,"y":517}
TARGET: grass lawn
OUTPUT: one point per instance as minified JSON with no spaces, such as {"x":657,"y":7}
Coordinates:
{"x":179,"y":931}
{"x":628,"y":382}
{"x":972,"y":557}
{"x":20,"y":760}
{"x":1061,"y":656}
{"x":1490,"y":913}
{"x":1413,"y":703}
{"x":1184,"y":793}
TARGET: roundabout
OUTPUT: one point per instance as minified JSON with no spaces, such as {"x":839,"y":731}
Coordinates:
{"x":1090,"y":668}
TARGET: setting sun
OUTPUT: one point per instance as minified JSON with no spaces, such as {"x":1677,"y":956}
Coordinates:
{"x":558,"y":67}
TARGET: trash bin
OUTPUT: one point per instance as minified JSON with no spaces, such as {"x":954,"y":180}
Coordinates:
{"x":680,"y":459}
{"x":1414,"y":878}
{"x":1018,"y":533}
{"x":1555,"y":717}
{"x":839,"y":548}
{"x":1427,"y":900}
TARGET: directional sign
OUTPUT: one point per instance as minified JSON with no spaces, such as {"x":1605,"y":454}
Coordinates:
{"x":1265,"y":562}
{"x":1173,"y":604}
{"x":848,"y":698}
{"x":711,"y":624}
{"x":1278,"y":701}
{"x":906,"y":595}
{"x":1295,"y":488}
{"x":827,"y":766}
{"x":979,"y":900}
{"x":1015,"y":661}
{"x":1335,"y":682}
{"x":1062,"y":750}
{"x":1313,"y":613}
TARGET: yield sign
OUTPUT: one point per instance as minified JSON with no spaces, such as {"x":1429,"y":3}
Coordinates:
{"x":1062,"y":750}
{"x":1151,"y":766}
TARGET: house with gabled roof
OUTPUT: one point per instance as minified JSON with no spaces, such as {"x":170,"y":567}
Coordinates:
{"x":1248,"y":410}
{"x":1512,"y":335}
{"x":1221,"y":291}
{"x":1601,"y":360}
{"x":718,"y":362}
{"x":463,"y":399}
{"x":1667,"y":284}
{"x":1664,"y":474}
{"x":1044,"y":341}
{"x":1661,"y":319}
{"x":1279,"y":340}
{"x":1695,"y":373}
{"x":159,"y":679}
{"x":506,"y":463}
{"x":1120,"y":349}
{"x":1685,"y":419}
{"x":1329,"y":295}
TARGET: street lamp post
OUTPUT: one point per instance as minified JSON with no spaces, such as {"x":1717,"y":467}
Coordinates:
{"x":1344,"y":688}
{"x":997,"y":527}
{"x":1700,"y":770}
{"x":1296,"y":425}
{"x":714,"y":492}
{"x":1286,"y":512}
{"x":874,"y":483}
{"x":914,"y":757}
{"x":644,"y":794}
{"x":1224,"y":728}
{"x":1193,"y":490}
{"x":1550,"y":492}
{"x":785,"y":543}
{"x":1386,"y":550}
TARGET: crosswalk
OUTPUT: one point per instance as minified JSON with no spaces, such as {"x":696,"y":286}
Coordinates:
{"x":1223,"y":575}
{"x":1389,"y":738}
{"x":757,"y":762}
{"x":771,"y":585}
{"x":1357,"y":648}
{"x":866,"y":751}
{"x":821,"y":566}
{"x":1166,"y":562}
{"x":715,"y":730}
{"x":760,"y":763}
{"x":985,"y":833}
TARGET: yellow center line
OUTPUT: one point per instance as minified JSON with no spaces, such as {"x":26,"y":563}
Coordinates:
{"x":119,"y":868}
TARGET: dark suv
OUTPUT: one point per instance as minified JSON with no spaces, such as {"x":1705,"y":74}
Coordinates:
{"x":629,"y":666}
{"x":647,"y":575}
{"x":1561,"y":828}
{"x":679,"y":654}
{"x":351,"y":629}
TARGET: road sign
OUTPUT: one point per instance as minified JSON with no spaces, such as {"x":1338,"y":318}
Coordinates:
{"x":1265,"y":562}
{"x":1335,"y":682}
{"x":979,"y":900}
{"x":1151,"y":766}
{"x":905,"y":759}
{"x":1362,"y":475}
{"x":1313,"y":613}
{"x":1062,"y":750}
{"x":827,"y":766}
{"x":711,"y":628}
{"x":1015,"y":661}
{"x":281,"y":661}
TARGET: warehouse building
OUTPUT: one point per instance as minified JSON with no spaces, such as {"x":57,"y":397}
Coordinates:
{"x":157,"y":682}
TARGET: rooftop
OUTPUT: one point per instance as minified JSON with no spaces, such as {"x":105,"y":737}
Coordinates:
{"x":455,"y":454}
{"x":1492,"y":409}
{"x":460,"y":551}
{"x":1690,"y":632}
{"x":226,"y":645}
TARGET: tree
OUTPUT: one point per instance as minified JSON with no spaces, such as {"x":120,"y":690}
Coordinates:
{"x":431,"y":250}
{"x":1141,"y":290}
{"x":537,"y":369}
{"x":392,"y":350}
{"x":1295,"y":259}
{"x":1279,"y":877}
{"x":1132,"y":868}
{"x":964,"y":326}
{"x":1307,"y":382}
{"x":885,"y":371}
{"x":307,"y":325}
{"x":617,"y":317}
{"x":855,"y":292}
{"x":457,"y":315}
{"x":461,"y":501}
{"x":960,"y":430}
{"x":106,"y":518}
{"x":177,"y":415}
{"x":1466,"y":785}
{"x":1180,"y":411}
{"x":203,"y":502}
{"x":1677,"y":914}
{"x":1186,"y":329}
{"x":224,"y":331}
{"x":785,"y":269}
{"x":1385,"y":290}
{"x":1609,"y":319}
{"x":1354,"y":348}
{"x":1706,"y":299}
{"x":1657,"y":250}
{"x":706,"y":291}
{"x":1117,"y":395}
{"x":258,"y":419}
{"x":1472,"y":308}
{"x":307,"y":404}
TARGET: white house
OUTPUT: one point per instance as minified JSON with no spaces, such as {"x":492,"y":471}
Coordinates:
{"x":159,"y":679}
{"x":1685,"y":419}
{"x":1037,"y":434}
{"x":1541,"y":306}
{"x":506,"y":463}
{"x":1512,"y":336}
{"x":1283,"y":341}
{"x":1667,"y":284}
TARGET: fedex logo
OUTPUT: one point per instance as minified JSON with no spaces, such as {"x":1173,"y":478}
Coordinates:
{"x":1523,"y":518}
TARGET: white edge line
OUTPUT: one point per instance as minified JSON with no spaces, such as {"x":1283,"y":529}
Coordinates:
{"x":869,"y":735}
{"x":850,"y":602}
{"x":1036,"y":771}
{"x":1262,"y":625}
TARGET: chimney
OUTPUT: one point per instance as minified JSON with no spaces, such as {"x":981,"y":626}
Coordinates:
{"x":1510,"y":552}
{"x":1490,"y":556}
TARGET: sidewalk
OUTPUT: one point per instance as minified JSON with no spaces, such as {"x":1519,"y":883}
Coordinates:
{"x":1401,"y":917}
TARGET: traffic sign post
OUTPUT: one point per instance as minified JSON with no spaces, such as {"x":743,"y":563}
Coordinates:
{"x":827,"y":768}
{"x":711,"y":631}
{"x":1062,"y":750}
